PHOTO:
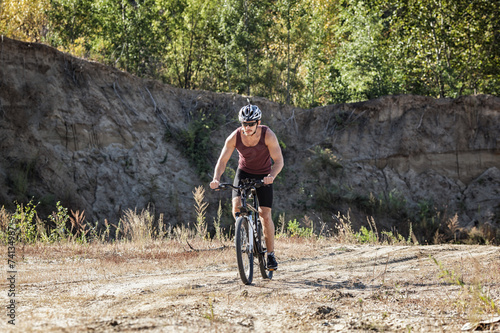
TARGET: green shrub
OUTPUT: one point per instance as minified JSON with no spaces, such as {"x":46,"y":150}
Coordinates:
{"x":23,"y":220}
{"x":295,"y":230}
{"x":195,"y":141}
{"x":428,"y":220}
{"x":60,"y":219}
{"x":366,"y":236}
{"x":394,"y":238}
{"x":324,"y":159}
{"x":198,"y":147}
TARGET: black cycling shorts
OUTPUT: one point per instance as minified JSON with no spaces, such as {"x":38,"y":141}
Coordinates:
{"x":264,"y":193}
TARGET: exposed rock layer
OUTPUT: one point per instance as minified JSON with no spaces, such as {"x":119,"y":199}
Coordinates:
{"x":94,"y":137}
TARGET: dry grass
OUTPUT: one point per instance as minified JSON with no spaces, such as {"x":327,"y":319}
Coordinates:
{"x":322,"y":284}
{"x":154,"y":277}
{"x":137,"y":227}
{"x":200,"y":207}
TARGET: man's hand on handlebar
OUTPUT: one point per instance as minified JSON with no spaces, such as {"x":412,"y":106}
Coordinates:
{"x":214,"y":184}
{"x":268,"y":180}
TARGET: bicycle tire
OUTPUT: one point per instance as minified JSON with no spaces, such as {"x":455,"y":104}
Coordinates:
{"x":244,"y":257}
{"x":261,"y":246}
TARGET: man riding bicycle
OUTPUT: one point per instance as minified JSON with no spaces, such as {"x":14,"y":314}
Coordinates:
{"x":257,"y":145}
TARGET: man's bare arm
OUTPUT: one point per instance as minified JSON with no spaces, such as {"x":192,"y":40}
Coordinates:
{"x":224,"y":157}
{"x":275,"y":152}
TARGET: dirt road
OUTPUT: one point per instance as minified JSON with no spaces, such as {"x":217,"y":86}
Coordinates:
{"x":320,"y":286}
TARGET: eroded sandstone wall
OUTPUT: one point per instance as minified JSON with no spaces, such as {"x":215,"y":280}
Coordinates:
{"x":94,"y":137}
{"x":442,"y":152}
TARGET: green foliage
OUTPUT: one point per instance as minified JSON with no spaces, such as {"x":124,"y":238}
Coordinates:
{"x":131,"y":35}
{"x":364,"y":71}
{"x":366,"y":236}
{"x":324,"y":160}
{"x":427,"y":222}
{"x":445,"y":48}
{"x":391,"y":204}
{"x":230,"y":173}
{"x":282,"y":144}
{"x":19,"y":176}
{"x":395,"y":238}
{"x":60,"y":219}
{"x":447,"y":275}
{"x":195,"y":141}
{"x":198,"y":147}
{"x":30,"y":228}
{"x":295,"y":230}
{"x":325,"y":197}
{"x":307,"y":53}
{"x":23,"y":220}
{"x":24,"y":19}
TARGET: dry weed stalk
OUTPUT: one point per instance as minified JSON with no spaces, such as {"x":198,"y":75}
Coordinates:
{"x":105,"y":234}
{"x":324,"y":228}
{"x":453,"y":226}
{"x":42,"y":230}
{"x":181,"y":233}
{"x":282,"y":223}
{"x":5,"y":217}
{"x":218,"y":230}
{"x":345,"y":234}
{"x":200,"y":208}
{"x":373,"y":227}
{"x":78,"y":225}
{"x":138,"y":227}
{"x":308,"y":222}
{"x":161,"y":226}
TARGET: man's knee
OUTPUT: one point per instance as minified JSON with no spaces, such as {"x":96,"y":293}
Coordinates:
{"x":265,"y":212}
{"x":236,"y":205}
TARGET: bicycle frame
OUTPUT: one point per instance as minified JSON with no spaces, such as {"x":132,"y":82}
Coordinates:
{"x":244,"y":212}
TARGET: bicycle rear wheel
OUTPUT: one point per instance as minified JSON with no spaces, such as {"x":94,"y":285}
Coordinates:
{"x":244,"y":256}
{"x":260,"y":248}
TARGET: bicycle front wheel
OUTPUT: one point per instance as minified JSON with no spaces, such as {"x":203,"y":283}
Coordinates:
{"x":243,"y":254}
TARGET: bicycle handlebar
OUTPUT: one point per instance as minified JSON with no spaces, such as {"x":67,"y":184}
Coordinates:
{"x":247,"y":183}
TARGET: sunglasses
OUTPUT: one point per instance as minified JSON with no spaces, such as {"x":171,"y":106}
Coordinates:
{"x":252,"y":124}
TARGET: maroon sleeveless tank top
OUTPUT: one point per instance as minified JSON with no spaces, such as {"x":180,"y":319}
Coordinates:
{"x":256,"y":159}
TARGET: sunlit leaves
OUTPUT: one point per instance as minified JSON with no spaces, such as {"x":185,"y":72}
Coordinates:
{"x":303,"y":52}
{"x":448,"y":46}
{"x":24,"y":19}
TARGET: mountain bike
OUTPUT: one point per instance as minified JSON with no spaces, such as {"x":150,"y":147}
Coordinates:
{"x":249,"y":236}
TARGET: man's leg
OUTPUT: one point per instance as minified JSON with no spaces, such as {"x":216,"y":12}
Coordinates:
{"x":268,"y":225}
{"x":236,"y":206}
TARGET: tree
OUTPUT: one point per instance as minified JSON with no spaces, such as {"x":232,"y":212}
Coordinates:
{"x":72,"y":26}
{"x":132,"y":33}
{"x":302,"y":52}
{"x":24,"y":19}
{"x":321,"y":78}
{"x":362,"y":60}
{"x":448,"y":47}
{"x":192,"y":40}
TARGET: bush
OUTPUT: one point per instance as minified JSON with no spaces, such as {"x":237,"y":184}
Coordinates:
{"x":296,"y":230}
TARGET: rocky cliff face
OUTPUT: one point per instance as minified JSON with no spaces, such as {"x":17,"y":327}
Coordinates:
{"x":95,"y":138}
{"x":438,"y":154}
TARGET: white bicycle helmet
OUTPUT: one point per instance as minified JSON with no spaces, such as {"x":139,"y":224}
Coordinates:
{"x":249,"y":113}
